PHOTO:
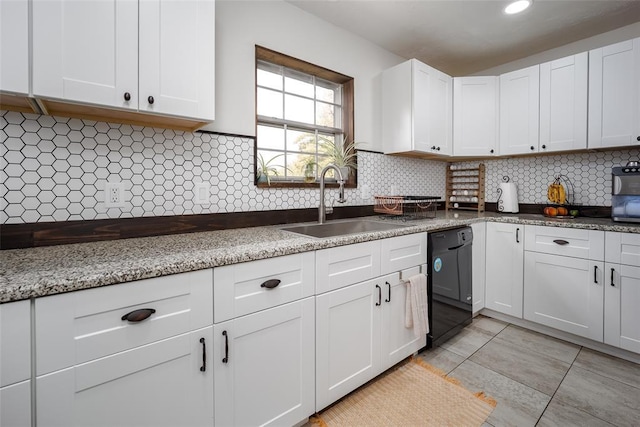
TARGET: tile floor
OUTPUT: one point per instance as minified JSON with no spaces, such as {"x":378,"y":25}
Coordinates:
{"x":538,"y":380}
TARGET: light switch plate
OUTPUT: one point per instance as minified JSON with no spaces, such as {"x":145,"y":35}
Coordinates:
{"x":201,"y":192}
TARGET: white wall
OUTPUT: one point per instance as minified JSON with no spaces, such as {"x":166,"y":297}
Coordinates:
{"x":604,"y":39}
{"x":282,"y":27}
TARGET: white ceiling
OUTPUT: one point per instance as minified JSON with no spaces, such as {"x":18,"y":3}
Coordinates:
{"x":461,"y":37}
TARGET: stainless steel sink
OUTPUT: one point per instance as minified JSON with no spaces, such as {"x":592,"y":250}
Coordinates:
{"x":341,"y":228}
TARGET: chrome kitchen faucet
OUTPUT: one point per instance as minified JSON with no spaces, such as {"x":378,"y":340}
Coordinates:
{"x":322,"y":213}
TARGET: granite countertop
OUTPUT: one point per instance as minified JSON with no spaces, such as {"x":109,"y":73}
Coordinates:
{"x":37,"y":272}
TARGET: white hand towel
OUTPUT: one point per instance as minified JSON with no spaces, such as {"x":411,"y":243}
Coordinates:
{"x":416,"y":306}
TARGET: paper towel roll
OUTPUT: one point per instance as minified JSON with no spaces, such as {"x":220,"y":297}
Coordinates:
{"x":508,"y":199}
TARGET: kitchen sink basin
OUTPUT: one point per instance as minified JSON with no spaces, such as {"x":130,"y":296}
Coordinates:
{"x":341,"y":228}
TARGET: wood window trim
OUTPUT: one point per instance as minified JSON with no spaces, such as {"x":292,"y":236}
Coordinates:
{"x":348,"y":93}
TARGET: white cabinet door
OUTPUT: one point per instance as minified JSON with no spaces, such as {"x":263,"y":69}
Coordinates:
{"x":621,"y":302}
{"x":478,"y":264}
{"x":565,"y":293}
{"x":622,"y":248}
{"x":14,"y":46}
{"x":505,"y":268}
{"x":15,"y":345}
{"x":416,"y":109}
{"x":614,"y":95}
{"x":398,"y":341}
{"x":264,"y":367}
{"x":86,"y":51}
{"x":345,"y":265}
{"x":398,"y":253}
{"x":177,"y":44}
{"x":347,"y":340}
{"x":563,"y":103}
{"x":166,"y":383}
{"x":433,"y":110}
{"x":15,"y":405}
{"x":519,"y":111}
{"x":475,"y":116}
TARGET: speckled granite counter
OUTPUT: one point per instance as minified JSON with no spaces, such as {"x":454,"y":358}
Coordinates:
{"x":36,"y":272}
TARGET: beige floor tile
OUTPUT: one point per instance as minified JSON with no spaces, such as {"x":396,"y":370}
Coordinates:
{"x":558,"y":414}
{"x":602,"y":397}
{"x":442,"y":359}
{"x":518,"y":405}
{"x":609,"y":366}
{"x":533,"y":341}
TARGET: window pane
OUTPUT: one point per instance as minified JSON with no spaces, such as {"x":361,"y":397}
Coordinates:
{"x":328,"y":115}
{"x":298,"y":140}
{"x":272,"y":162}
{"x":297,"y":164}
{"x":298,"y":83}
{"x":269,"y":75}
{"x":328,"y":91}
{"x":298,"y":109}
{"x":269,"y":103}
{"x":270,"y":137}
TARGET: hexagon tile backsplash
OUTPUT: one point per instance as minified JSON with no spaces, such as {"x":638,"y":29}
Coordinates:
{"x":55,"y":169}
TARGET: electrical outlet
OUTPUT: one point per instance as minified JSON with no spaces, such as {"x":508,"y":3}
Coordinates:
{"x":201,"y":193}
{"x":114,"y":195}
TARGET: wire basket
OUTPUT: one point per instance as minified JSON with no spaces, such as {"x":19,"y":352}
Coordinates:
{"x":413,"y":207}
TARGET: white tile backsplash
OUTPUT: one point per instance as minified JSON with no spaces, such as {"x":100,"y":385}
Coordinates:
{"x":55,"y":169}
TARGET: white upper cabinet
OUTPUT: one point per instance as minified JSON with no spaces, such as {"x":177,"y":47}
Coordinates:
{"x":614,"y":95}
{"x":14,"y":46}
{"x":176,"y":57}
{"x":86,"y":51}
{"x":563,"y":103}
{"x":519,"y":111}
{"x":416,"y":109}
{"x":475,"y":116}
{"x":153,"y":56}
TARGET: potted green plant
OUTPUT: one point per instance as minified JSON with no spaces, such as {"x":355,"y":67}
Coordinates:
{"x":343,"y":156}
{"x":265,"y":170}
{"x":310,"y":171}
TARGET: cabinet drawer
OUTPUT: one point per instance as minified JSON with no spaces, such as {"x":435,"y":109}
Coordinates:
{"x":577,"y":243}
{"x":239,"y":288}
{"x":622,"y":248}
{"x":399,"y":253}
{"x":346,"y":265}
{"x":15,"y":348}
{"x":85,"y":325}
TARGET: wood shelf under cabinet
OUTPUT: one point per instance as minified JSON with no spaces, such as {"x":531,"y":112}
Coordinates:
{"x":465,"y":187}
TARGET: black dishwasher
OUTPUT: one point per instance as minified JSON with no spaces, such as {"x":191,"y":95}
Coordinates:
{"x":449,"y":283}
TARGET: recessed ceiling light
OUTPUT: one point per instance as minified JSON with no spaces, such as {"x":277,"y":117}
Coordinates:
{"x":517,"y":6}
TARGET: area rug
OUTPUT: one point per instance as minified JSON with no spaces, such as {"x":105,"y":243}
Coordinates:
{"x":413,"y":394}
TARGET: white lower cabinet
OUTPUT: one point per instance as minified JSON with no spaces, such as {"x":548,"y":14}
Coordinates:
{"x":15,"y":364}
{"x":478,"y":265}
{"x":504,"y":268}
{"x":264,"y":366}
{"x":15,"y":405}
{"x":166,"y":383}
{"x":621,"y":314}
{"x":360,"y":333}
{"x":565,"y":293}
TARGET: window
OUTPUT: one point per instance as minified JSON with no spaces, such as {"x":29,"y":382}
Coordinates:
{"x":302,"y":111}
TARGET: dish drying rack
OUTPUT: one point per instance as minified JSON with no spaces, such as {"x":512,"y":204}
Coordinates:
{"x":465,"y":187}
{"x":407,"y":207}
